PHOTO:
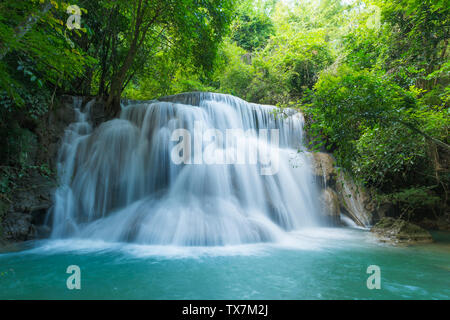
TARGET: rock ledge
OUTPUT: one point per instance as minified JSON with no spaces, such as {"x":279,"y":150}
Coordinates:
{"x":399,"y":231}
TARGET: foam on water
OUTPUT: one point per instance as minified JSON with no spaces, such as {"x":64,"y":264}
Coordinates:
{"x":120,"y":183}
{"x":306,"y":239}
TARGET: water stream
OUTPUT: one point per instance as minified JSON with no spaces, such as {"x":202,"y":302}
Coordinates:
{"x":197,"y":169}
{"x":160,"y":204}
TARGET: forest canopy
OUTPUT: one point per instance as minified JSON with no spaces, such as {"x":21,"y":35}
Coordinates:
{"x":371,"y":76}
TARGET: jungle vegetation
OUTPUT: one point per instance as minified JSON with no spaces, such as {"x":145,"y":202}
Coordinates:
{"x":371,"y":76}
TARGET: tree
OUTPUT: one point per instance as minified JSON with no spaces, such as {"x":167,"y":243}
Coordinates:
{"x":37,"y":51}
{"x":252,"y":27}
{"x":22,"y":29}
{"x":194,"y":26}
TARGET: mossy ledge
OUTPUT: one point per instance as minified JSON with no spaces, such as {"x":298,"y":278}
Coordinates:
{"x":401,"y":232}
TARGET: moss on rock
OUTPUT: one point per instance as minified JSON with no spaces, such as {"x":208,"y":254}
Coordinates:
{"x":399,"y":231}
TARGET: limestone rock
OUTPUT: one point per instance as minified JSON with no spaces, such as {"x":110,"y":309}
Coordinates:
{"x":355,"y":200}
{"x":23,"y":215}
{"x":324,"y":170}
{"x":398,"y":231}
{"x":18,"y":226}
{"x":330,"y":204}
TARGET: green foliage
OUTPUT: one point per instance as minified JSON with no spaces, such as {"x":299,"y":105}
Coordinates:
{"x":36,"y":50}
{"x":418,"y":41}
{"x":372,"y":76}
{"x":346,"y":102}
{"x":390,"y":157}
{"x":381,"y":132}
{"x":147,"y":45}
{"x":151,"y":47}
{"x":412,"y":200}
{"x":297,"y":59}
{"x":282,"y":64}
{"x":382,"y":107}
{"x":373,"y":80}
{"x":235,"y":78}
{"x":252,"y":27}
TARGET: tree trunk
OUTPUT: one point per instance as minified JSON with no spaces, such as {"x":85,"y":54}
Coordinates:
{"x":113,"y":102}
{"x":140,"y":32}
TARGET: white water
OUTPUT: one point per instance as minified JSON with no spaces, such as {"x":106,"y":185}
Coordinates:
{"x":119,"y":183}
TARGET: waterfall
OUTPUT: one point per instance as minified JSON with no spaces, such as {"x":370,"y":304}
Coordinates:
{"x":168,"y":172}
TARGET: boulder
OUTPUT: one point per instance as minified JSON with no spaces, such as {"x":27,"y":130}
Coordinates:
{"x":398,"y":231}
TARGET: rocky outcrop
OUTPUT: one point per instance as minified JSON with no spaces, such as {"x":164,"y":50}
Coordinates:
{"x":355,"y":201}
{"x":341,"y":195}
{"x":398,"y":231}
{"x":330,"y":205}
{"x":27,"y":208}
{"x":22,"y":213}
{"x":31,"y":197}
{"x":324,"y":169}
{"x":19,"y":226}
{"x":51,"y":129}
{"x":325,"y":176}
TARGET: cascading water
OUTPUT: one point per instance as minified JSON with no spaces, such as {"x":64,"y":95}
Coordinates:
{"x":147,"y":177}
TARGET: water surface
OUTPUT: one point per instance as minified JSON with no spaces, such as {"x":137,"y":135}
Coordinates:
{"x":322,"y":263}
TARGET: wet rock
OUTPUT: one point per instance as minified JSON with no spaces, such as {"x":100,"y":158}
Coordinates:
{"x":23,"y":215}
{"x":324,"y":170}
{"x":27,"y":207}
{"x":51,"y":129}
{"x":64,"y":114}
{"x":98,"y":113}
{"x":43,"y":231}
{"x":353,"y":200}
{"x":18,"y":226}
{"x":330,"y":205}
{"x":398,"y":231}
